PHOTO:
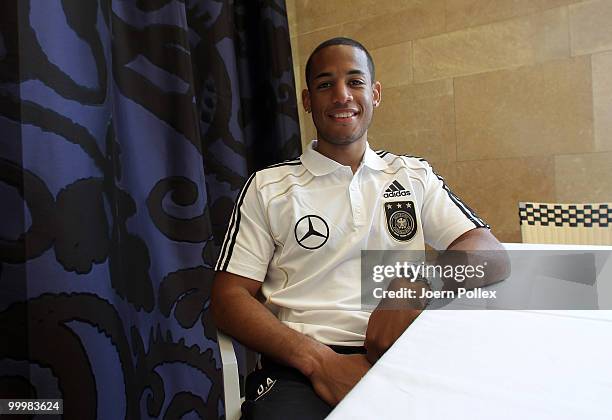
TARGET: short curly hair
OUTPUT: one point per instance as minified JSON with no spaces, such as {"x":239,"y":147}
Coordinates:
{"x":339,"y":41}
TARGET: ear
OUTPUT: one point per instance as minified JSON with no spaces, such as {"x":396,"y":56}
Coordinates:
{"x":376,"y":94}
{"x":306,"y":100}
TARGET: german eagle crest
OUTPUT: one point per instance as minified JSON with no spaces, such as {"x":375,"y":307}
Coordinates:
{"x":401,"y":219}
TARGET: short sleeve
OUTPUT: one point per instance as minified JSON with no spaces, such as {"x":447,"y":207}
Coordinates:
{"x":444,"y":216}
{"x":248,"y":245}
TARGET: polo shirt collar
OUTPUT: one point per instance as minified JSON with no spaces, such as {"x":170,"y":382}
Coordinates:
{"x":319,"y":164}
{"x":373,"y":161}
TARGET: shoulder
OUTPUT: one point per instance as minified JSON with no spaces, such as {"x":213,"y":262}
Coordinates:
{"x":286,"y":166}
{"x":415,"y":165}
{"x":279,"y":175}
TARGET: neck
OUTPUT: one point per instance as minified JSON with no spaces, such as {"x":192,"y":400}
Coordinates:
{"x":346,"y":154}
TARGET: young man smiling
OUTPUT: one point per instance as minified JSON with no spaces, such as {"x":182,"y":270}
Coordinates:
{"x":342,"y":96}
{"x":288,"y":276}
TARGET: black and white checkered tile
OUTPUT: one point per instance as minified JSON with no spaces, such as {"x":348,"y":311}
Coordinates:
{"x":566,"y":215}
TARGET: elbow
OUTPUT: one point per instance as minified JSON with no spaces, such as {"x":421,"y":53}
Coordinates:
{"x":500,"y":268}
{"x":506,"y":266}
{"x":229,"y":294}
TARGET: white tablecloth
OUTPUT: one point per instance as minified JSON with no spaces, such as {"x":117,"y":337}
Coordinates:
{"x":494,"y":364}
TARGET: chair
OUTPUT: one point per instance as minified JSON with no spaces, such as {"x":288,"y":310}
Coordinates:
{"x":233,"y":387}
{"x":556,"y":223}
{"x":231,"y":379}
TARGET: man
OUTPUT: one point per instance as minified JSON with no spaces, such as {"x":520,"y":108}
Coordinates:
{"x":295,"y":238}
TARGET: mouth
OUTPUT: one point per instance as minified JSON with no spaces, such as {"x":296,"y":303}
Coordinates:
{"x":343,"y":116}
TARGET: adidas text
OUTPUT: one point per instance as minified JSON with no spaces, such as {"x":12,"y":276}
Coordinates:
{"x":396,"y":194}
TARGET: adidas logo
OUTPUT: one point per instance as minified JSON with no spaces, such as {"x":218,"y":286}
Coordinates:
{"x":395,"y":190}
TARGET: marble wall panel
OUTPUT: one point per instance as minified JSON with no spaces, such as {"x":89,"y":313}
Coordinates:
{"x":422,"y":19}
{"x":393,"y":64}
{"x":522,"y":41}
{"x":312,"y":15}
{"x":591,"y":26}
{"x":316,"y":14}
{"x":493,"y":188}
{"x":291,"y":17}
{"x":416,"y":120}
{"x":306,"y":43}
{"x":584,"y":178}
{"x":302,"y":116}
{"x":462,"y":14}
{"x":602,"y":100}
{"x":529,"y":111}
{"x":307,"y":128}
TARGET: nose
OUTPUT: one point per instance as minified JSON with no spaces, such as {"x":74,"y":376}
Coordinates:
{"x":342,"y":93}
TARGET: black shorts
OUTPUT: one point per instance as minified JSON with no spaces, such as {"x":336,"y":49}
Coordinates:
{"x":280,"y":392}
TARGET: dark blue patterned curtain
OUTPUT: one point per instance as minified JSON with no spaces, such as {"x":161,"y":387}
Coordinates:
{"x":127,"y":128}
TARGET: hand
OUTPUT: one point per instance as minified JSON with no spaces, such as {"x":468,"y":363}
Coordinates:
{"x":384,"y":328}
{"x":392,"y":316}
{"x":336,"y":374}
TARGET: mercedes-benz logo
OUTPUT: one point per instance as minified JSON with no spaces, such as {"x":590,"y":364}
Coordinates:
{"x":311,"y":232}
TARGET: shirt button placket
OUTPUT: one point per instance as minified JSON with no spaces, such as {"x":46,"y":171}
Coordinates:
{"x":356,"y":202}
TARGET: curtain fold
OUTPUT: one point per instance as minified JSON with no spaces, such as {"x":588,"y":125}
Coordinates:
{"x":126,"y":131}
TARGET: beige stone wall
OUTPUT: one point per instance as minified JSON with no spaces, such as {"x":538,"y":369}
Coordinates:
{"x":510,"y":100}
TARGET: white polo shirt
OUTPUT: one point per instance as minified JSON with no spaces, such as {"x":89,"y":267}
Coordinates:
{"x":299,"y":227}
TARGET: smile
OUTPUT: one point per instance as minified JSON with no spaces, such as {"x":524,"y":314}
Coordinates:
{"x":343,"y":115}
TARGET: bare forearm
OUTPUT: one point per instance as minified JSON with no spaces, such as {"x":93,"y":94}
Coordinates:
{"x":243,"y":317}
{"x":480,"y":247}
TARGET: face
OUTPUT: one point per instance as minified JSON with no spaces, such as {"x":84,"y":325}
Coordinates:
{"x":341,"y":95}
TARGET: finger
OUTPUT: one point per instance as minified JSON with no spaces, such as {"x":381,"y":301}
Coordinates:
{"x":324,"y":393}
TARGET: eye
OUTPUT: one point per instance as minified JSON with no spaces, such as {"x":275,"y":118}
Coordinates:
{"x":356,"y":82}
{"x":323,"y":85}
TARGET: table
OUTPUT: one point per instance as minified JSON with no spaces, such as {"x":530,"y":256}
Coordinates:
{"x":494,"y":364}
